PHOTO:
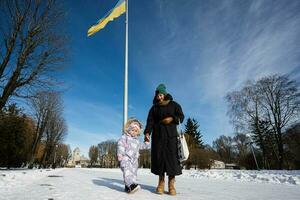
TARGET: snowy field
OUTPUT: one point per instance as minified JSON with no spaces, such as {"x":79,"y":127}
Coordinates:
{"x":102,"y":184}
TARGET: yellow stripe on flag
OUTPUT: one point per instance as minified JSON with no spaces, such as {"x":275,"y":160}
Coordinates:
{"x":116,"y":12}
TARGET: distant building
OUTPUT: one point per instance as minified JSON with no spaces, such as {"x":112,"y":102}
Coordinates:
{"x":232,"y":166}
{"x":76,"y":156}
{"x":77,"y":160}
{"x":84,"y":162}
{"x":216,"y":164}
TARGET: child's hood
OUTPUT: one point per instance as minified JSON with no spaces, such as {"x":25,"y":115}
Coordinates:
{"x":132,"y":120}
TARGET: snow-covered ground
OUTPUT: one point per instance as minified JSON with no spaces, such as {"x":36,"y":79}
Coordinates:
{"x":262,"y":176}
{"x":107,"y":184}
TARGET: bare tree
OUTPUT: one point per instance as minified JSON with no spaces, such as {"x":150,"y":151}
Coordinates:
{"x":244,"y":107}
{"x":246,"y":114}
{"x":241,"y":143}
{"x":281,"y":104}
{"x":145,"y":158}
{"x":63,"y":154}
{"x":33,"y":46}
{"x":265,"y":108}
{"x":55,"y":129}
{"x":45,"y":107}
{"x":225,"y":148}
{"x":93,"y":154}
{"x":108,"y":153}
{"x":55,"y":132}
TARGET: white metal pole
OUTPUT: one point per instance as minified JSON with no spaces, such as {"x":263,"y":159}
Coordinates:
{"x":251,"y":147}
{"x":254,"y":156}
{"x":125,"y":111}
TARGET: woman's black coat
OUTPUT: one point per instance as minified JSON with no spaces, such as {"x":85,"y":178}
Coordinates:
{"x":164,"y":157}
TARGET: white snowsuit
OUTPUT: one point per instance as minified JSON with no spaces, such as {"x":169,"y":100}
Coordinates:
{"x":128,"y":154}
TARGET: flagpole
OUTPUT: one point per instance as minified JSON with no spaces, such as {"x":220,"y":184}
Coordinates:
{"x":125,"y":106}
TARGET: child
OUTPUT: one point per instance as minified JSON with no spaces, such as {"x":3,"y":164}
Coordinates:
{"x":128,"y":153}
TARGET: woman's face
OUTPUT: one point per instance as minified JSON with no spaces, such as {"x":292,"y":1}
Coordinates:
{"x":160,"y":97}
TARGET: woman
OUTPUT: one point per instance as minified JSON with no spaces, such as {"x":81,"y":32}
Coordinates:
{"x":162,"y":119}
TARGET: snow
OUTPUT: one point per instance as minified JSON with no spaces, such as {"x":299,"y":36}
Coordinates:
{"x":107,"y":184}
{"x":262,"y":176}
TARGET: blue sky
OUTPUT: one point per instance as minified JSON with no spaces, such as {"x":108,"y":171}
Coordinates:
{"x":200,"y":49}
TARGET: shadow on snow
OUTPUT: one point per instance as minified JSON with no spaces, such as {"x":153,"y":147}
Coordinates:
{"x":117,"y":184}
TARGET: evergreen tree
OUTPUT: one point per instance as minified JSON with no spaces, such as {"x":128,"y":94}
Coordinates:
{"x":191,"y":128}
{"x":264,"y":138}
{"x":16,"y":131}
{"x":292,"y":146}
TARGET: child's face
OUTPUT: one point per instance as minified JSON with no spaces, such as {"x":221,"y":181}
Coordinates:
{"x":134,"y":132}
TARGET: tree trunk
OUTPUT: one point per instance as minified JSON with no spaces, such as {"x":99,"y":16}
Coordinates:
{"x":280,"y":149}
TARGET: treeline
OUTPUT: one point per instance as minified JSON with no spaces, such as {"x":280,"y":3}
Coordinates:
{"x":268,"y":110}
{"x":104,"y":155}
{"x":266,"y":116}
{"x":33,"y":50}
{"x":237,"y":150}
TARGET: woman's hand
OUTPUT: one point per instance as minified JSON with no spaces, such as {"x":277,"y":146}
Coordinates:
{"x":147,"y":137}
{"x":167,"y":120}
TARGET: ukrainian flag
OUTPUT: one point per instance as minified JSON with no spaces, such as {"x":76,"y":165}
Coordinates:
{"x":118,"y":10}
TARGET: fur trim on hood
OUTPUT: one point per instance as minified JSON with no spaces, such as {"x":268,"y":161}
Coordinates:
{"x":132,"y":120}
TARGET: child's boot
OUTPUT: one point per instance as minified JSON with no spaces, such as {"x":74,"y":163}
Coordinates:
{"x":161,"y":185}
{"x":172,"y":190}
{"x":127,"y":189}
{"x":134,"y":188}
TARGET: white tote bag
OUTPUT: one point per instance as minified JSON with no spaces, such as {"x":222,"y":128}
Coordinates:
{"x":183,"y":150}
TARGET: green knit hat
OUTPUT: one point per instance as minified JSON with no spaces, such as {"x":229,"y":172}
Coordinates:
{"x":161,"y":88}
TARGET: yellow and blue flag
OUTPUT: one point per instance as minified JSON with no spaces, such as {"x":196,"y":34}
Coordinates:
{"x":118,"y":10}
